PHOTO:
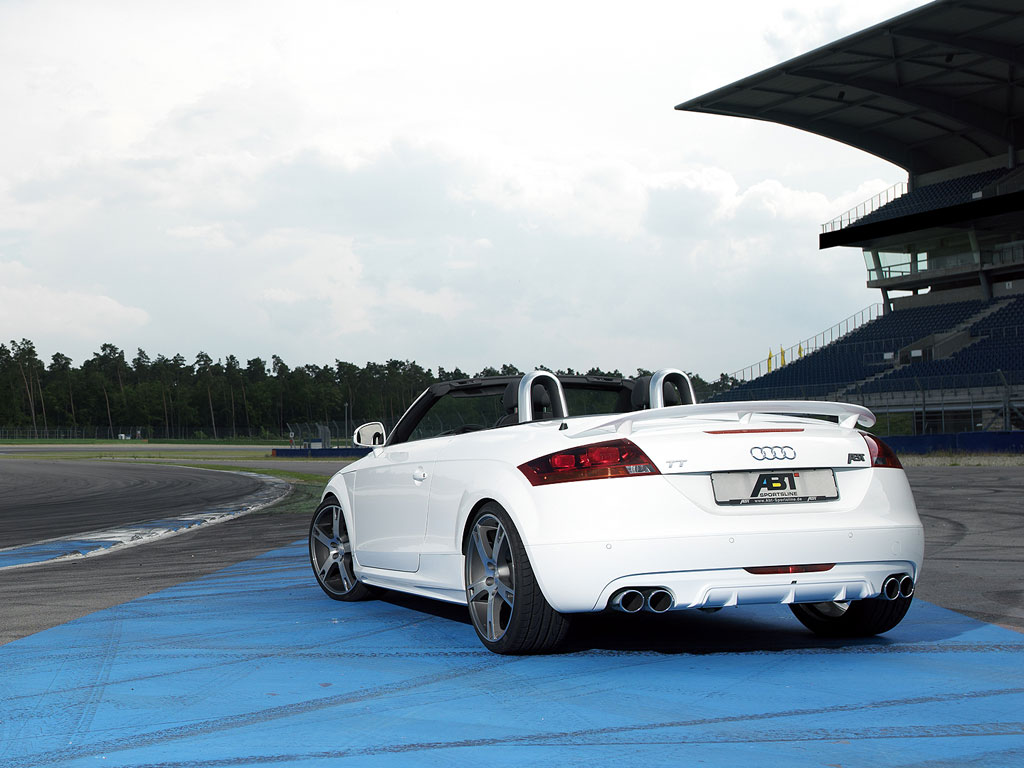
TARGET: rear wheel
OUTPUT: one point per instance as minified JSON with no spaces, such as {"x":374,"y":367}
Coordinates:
{"x":852,"y":618}
{"x":506,"y":606}
{"x":330,"y":553}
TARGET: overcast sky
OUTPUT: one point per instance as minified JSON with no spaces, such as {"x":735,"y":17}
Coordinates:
{"x":455,"y":183}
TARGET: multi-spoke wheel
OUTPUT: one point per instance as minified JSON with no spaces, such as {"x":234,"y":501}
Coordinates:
{"x":330,"y":553}
{"x":508,"y":611}
{"x":852,"y":618}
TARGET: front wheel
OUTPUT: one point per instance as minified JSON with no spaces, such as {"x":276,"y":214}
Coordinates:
{"x":852,"y":618}
{"x":330,"y":553}
{"x":506,"y":606}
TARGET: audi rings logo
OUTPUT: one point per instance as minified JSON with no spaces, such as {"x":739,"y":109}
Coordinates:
{"x":772,"y":452}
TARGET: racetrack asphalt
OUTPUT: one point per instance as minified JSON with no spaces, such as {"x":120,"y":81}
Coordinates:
{"x":973,"y":518}
{"x":215,"y":647}
{"x":45,"y":499}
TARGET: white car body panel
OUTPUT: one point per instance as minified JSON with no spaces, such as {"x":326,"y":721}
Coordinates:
{"x":407,"y":508}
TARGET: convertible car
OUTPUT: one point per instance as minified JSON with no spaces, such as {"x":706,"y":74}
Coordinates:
{"x":533,"y":498}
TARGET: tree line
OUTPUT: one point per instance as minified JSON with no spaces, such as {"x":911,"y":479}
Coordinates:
{"x":170,"y":397}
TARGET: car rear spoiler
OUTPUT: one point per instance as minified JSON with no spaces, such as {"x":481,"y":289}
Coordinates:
{"x":848,"y":415}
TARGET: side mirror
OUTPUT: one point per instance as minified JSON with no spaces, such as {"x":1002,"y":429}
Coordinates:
{"x":369,"y":435}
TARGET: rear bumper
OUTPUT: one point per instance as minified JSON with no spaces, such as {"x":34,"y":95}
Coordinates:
{"x":729,"y":587}
{"x":708,"y":571}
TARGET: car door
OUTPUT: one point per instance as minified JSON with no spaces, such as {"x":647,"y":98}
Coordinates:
{"x":390,"y":505}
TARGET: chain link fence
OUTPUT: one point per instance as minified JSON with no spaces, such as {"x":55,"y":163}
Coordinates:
{"x":135,"y":433}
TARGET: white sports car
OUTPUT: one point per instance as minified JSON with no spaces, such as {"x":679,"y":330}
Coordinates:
{"x":532,"y":498}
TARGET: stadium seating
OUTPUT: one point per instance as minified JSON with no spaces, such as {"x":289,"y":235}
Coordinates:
{"x":935,"y":196}
{"x":850,"y":363}
{"x":998,"y":348}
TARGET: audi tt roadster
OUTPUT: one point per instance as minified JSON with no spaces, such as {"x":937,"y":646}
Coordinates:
{"x":533,"y":498}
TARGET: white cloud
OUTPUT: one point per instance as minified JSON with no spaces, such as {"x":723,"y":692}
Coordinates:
{"x":207,"y":235}
{"x":411,"y":301}
{"x":803,"y":27}
{"x":455,"y":183}
{"x":29,"y":309}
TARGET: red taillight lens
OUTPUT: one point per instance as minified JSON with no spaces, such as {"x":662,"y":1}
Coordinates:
{"x":768,"y":570}
{"x":604,"y":454}
{"x":563,"y":461}
{"x":615,"y":458}
{"x":881,"y":454}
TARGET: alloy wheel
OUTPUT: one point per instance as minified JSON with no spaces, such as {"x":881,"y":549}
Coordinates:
{"x":330,"y":551}
{"x":490,"y":577}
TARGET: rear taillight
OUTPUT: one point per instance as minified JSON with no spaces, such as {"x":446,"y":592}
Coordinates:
{"x":769,"y":570}
{"x":615,"y":458}
{"x":881,"y":454}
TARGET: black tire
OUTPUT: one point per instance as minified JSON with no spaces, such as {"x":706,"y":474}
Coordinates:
{"x":853,"y":618}
{"x":330,"y":554}
{"x":506,"y":606}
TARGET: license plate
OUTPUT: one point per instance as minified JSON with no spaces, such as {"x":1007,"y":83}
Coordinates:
{"x":778,"y":487}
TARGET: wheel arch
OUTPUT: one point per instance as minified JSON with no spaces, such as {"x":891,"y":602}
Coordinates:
{"x":522,"y":511}
{"x":338,"y":489}
{"x":468,"y":522}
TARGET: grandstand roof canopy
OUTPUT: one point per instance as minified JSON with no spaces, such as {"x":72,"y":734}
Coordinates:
{"x":935,"y":88}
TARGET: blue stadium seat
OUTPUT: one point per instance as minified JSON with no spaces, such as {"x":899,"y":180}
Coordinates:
{"x":935,"y":196}
{"x":859,"y":355}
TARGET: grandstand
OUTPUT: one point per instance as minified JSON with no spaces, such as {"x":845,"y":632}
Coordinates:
{"x":939,"y":92}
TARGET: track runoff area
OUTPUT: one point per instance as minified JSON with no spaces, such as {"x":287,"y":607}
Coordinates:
{"x":243,"y":661}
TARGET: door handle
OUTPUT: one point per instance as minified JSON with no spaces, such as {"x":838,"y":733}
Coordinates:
{"x":419,"y":475}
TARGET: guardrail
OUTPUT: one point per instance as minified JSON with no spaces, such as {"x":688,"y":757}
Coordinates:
{"x":776,"y":360}
{"x":128,"y":433}
{"x":75,"y":433}
{"x":868,"y":206}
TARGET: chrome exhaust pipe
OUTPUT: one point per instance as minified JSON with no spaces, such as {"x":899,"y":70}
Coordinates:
{"x":906,"y":586}
{"x":628,"y":601}
{"x":657,"y":600}
{"x":891,"y":587}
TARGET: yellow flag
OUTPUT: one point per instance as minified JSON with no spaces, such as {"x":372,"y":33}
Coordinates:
{"x":800,"y":351}
{"x":782,"y":356}
{"x":769,"y":360}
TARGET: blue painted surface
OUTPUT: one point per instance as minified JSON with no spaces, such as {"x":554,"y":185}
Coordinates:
{"x":254,"y":665}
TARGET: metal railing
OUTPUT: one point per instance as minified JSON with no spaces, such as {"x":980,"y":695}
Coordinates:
{"x":868,"y":206}
{"x":127,"y":433}
{"x":776,"y":360}
{"x":75,"y":433}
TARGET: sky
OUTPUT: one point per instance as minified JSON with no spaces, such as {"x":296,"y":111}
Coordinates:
{"x":460,"y":184}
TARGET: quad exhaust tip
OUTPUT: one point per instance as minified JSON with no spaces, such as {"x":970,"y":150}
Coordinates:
{"x":899,"y":585}
{"x":657,"y":600}
{"x":628,"y":601}
{"x":906,"y":586}
{"x":653,"y":600}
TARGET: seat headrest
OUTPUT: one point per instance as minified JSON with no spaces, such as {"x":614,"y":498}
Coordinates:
{"x":510,"y":397}
{"x":541,"y":400}
{"x":540,"y":395}
{"x":672,"y":394}
{"x":640,"y":397}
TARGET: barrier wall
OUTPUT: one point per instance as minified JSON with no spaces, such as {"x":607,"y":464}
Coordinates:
{"x":319,"y":453}
{"x":961,"y":442}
